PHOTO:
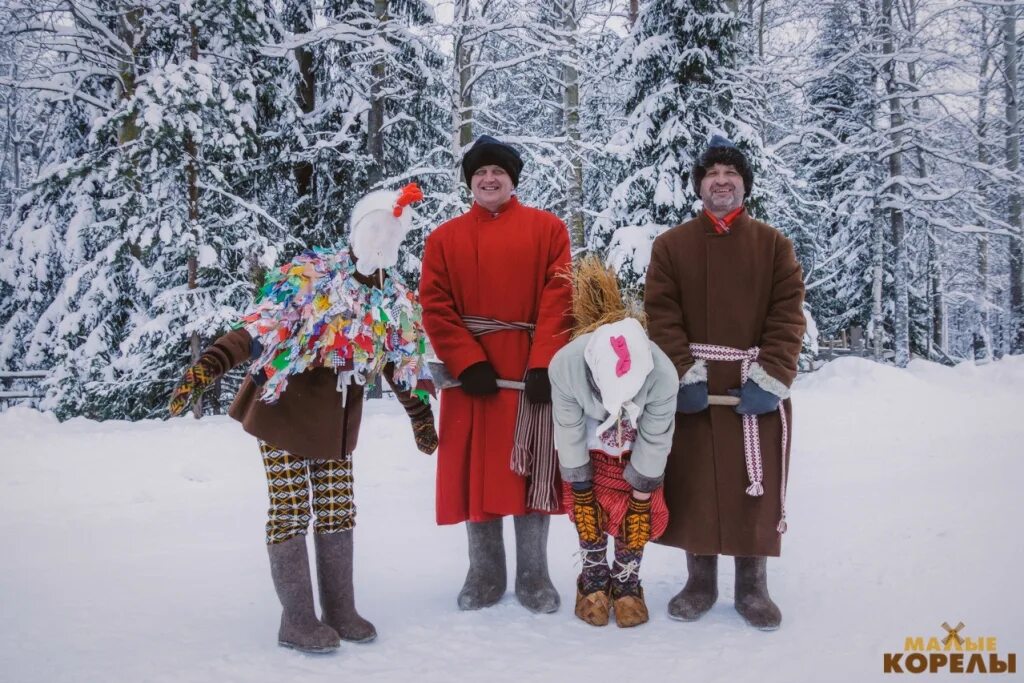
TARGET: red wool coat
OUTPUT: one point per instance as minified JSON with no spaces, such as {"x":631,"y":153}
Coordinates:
{"x":501,"y":266}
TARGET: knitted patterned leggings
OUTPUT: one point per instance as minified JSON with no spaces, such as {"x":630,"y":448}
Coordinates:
{"x":623,"y":576}
{"x":290,"y":479}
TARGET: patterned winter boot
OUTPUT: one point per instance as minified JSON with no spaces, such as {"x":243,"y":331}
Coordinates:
{"x":627,"y":593}
{"x":300,"y":629}
{"x":593,"y":602}
{"x":752,"y":599}
{"x":337,"y":598}
{"x":701,"y":589}
{"x":533,"y":583}
{"x":487,"y":576}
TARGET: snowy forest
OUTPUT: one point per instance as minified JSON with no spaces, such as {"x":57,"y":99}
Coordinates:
{"x":157,"y":157}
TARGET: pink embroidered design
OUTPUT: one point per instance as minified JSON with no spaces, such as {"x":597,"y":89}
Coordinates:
{"x":622,"y":351}
{"x":622,"y":434}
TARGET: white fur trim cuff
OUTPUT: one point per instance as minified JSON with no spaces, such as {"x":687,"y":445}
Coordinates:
{"x":767,"y":382}
{"x":697,"y":373}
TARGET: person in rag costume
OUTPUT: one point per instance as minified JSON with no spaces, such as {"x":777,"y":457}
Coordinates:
{"x":724,"y":300}
{"x":323,"y":326}
{"x":613,"y":400}
{"x":495,"y":309}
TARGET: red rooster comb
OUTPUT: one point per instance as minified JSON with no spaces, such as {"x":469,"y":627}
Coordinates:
{"x":409,"y":194}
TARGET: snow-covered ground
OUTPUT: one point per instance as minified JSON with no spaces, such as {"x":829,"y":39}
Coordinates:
{"x":134,"y":551}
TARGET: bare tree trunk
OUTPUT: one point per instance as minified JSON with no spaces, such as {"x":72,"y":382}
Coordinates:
{"x":13,"y":134}
{"x":937,"y":299}
{"x":128,"y":30}
{"x":897,"y":220}
{"x":877,"y":277}
{"x":760,"y":29}
{"x":1013,"y":166}
{"x":462,"y":104}
{"x":192,"y":178}
{"x":571,"y":121}
{"x":375,"y":120}
{"x":634,"y":12}
{"x":300,"y":20}
{"x":983,"y":334}
{"x":876,"y":327}
{"x":937,"y":292}
{"x":374,"y":133}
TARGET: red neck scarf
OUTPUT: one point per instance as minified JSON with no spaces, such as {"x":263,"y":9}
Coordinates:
{"x":723,"y":225}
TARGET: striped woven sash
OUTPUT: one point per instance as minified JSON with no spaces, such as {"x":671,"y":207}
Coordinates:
{"x":533,"y":449}
{"x":751,"y":433}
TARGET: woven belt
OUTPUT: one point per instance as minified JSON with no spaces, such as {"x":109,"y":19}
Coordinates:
{"x":751,"y":433}
{"x":533,"y":450}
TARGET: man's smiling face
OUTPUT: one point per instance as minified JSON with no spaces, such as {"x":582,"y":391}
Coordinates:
{"x":491,"y":186}
{"x":722,"y":189}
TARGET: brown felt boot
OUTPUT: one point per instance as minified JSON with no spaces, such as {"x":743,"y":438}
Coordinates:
{"x":300,"y":629}
{"x":337,"y":596}
{"x":701,"y":589}
{"x":593,"y":608}
{"x":752,"y":599}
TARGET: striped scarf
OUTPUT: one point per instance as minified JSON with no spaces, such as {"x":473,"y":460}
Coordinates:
{"x":613,"y":493}
{"x":533,"y":450}
{"x":751,"y":433}
{"x":723,"y":225}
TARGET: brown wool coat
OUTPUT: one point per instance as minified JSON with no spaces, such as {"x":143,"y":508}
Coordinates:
{"x":308,"y":420}
{"x":740,"y":289}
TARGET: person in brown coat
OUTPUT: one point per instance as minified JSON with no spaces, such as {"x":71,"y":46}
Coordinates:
{"x":724,"y":300}
{"x":308,"y":430}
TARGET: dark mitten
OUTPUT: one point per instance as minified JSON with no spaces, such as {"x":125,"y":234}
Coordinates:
{"x":479,"y":379}
{"x":692,"y":398}
{"x":195,"y":380}
{"x":589,"y":516}
{"x":538,"y":386}
{"x":425,"y":434}
{"x":636,"y":526}
{"x":754,"y":400}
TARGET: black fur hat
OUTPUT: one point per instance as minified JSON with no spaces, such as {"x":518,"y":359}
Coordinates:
{"x":721,"y":150}
{"x":487,"y":150}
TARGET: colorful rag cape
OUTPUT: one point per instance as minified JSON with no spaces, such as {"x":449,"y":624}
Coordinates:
{"x":312,"y":312}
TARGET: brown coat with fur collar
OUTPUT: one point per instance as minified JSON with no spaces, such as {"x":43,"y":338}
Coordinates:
{"x":740,"y":289}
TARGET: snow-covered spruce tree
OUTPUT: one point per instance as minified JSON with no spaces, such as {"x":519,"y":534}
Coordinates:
{"x":411,"y":143}
{"x":540,"y":76}
{"x":510,"y":84}
{"x":372,"y":111}
{"x":602,"y":114}
{"x":155,"y":242}
{"x":683,"y":60}
{"x":836,"y":162}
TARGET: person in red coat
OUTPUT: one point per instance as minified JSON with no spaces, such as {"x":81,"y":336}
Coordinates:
{"x":495,"y":306}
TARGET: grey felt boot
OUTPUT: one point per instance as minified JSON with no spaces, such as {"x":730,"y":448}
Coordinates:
{"x":300,"y":629}
{"x":752,"y":599}
{"x":533,"y":584}
{"x":337,"y":598}
{"x":700,"y":591}
{"x":487,"y":576}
